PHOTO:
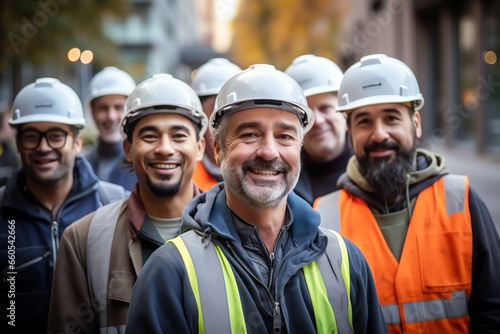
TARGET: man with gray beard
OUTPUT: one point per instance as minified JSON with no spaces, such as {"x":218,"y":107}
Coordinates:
{"x":102,"y":254}
{"x":428,"y":237}
{"x":252,"y":258}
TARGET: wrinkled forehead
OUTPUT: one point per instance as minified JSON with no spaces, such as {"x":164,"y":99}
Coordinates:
{"x":265,"y":116}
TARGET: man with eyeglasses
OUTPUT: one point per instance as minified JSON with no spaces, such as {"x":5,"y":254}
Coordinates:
{"x":54,"y":187}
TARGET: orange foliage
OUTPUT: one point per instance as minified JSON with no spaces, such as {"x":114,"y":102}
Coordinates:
{"x":275,"y":32}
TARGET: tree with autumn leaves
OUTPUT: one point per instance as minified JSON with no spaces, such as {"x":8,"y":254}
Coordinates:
{"x":276,"y":32}
{"x":41,"y":32}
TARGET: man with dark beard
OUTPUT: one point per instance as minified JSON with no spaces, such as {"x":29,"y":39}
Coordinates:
{"x":428,"y":237}
{"x":252,"y":258}
{"x":101,"y":255}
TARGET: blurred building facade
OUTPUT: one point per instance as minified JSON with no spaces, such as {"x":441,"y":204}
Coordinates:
{"x":452,"y":46}
{"x":149,"y":40}
{"x":152,"y":37}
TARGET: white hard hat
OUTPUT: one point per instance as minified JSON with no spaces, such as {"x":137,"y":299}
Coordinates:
{"x":315,"y":74}
{"x":163,"y":94}
{"x":110,"y":81}
{"x":261,"y":85}
{"x":378,"y":79}
{"x":47,"y":100}
{"x":211,"y":76}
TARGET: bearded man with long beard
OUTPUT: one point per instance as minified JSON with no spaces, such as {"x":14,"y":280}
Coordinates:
{"x":428,"y":237}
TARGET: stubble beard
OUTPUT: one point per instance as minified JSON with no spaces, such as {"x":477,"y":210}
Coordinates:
{"x":259,"y":194}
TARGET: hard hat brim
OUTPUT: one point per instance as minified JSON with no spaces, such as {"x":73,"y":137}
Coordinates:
{"x":48,"y":118}
{"x":381,"y":99}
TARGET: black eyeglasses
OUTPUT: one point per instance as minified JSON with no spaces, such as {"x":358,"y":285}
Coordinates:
{"x":30,"y":139}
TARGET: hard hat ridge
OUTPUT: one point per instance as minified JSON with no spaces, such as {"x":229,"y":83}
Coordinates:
{"x":163,"y":94}
{"x":315,"y":75}
{"x":211,"y":76}
{"x":377,"y":79}
{"x":261,"y":85}
{"x":47,"y":100}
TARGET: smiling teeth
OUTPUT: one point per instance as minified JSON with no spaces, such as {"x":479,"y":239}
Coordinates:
{"x":164,"y":166}
{"x":265,"y":172}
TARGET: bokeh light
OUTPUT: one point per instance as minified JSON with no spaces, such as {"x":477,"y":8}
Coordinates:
{"x":490,"y":57}
{"x":74,"y":54}
{"x":87,"y":56}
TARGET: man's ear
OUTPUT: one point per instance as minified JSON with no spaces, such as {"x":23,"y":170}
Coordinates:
{"x":417,"y":124}
{"x":201,"y":148}
{"x":126,"y":147}
{"x":217,"y":153}
{"x":77,"y":147}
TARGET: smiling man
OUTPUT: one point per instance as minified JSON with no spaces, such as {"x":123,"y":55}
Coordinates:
{"x":106,"y":101}
{"x":428,"y":237}
{"x":102,"y":254}
{"x":252,"y":258}
{"x":326,"y":149}
{"x":54,"y":187}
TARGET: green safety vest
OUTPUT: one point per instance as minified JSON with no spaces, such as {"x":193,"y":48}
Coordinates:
{"x":212,"y":278}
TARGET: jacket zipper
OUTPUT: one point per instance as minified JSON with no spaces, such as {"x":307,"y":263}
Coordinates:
{"x":54,"y":228}
{"x":276,"y":312}
{"x":277,"y":323}
{"x":248,"y":270}
{"x":32,"y":261}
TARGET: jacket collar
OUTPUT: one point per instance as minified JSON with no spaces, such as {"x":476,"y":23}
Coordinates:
{"x":210,"y":211}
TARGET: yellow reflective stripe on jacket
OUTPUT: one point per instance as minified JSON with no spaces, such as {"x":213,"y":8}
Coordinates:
{"x":323,"y":311}
{"x":328,"y":282}
{"x":236,"y":316}
{"x":211,"y":278}
{"x":346,"y":274}
{"x":186,"y":258}
{"x":214,"y":280}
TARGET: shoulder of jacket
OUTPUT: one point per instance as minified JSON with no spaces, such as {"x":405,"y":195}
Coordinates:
{"x":81,"y":226}
{"x":110,"y":192}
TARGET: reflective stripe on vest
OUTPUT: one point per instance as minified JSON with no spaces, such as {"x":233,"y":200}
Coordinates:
{"x":328,"y":207}
{"x":329,"y":276}
{"x":429,"y":309}
{"x":211,"y":277}
{"x":432,"y":280}
{"x":99,"y":242}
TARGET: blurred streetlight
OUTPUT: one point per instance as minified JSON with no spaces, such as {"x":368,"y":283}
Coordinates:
{"x":83,"y":72}
{"x":74,"y":54}
{"x":490,"y":57}
{"x":86,"y":57}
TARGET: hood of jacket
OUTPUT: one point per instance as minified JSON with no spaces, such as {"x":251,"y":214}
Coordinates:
{"x":208,"y":214}
{"x":427,"y":168}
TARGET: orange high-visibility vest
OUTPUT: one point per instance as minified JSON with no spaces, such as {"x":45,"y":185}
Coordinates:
{"x":428,"y":290}
{"x":202,"y":178}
